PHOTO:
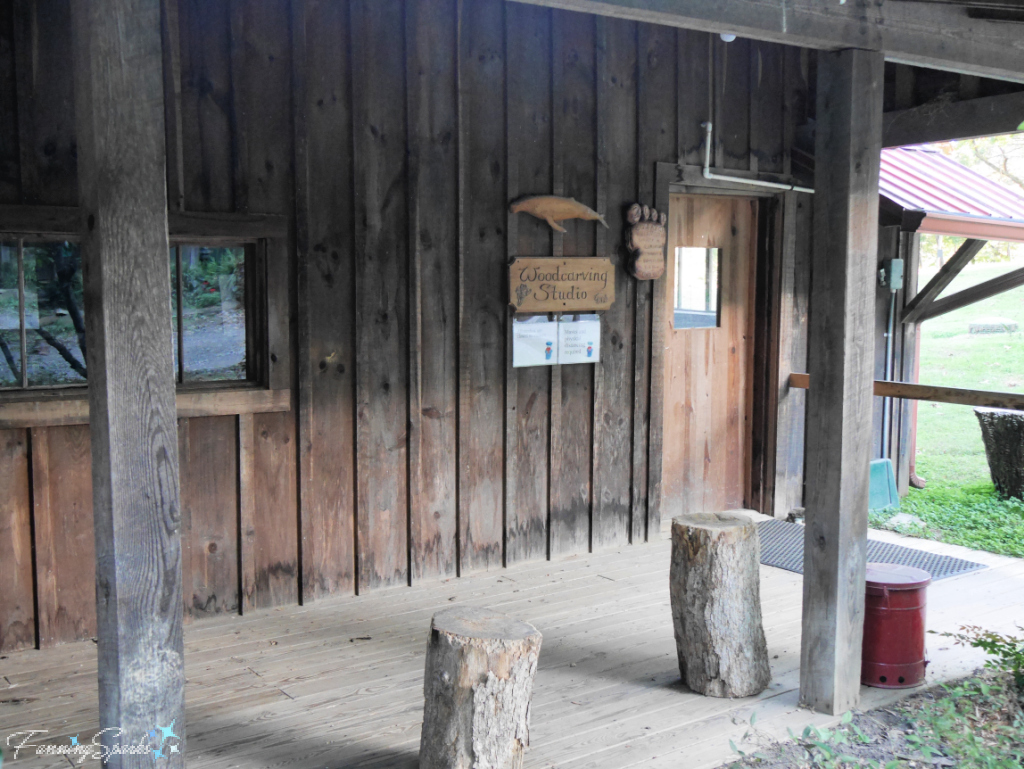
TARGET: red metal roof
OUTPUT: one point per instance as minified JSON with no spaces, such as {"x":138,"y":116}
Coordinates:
{"x":955,"y":199}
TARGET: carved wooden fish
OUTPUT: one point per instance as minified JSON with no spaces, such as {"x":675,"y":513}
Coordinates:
{"x":554,"y":209}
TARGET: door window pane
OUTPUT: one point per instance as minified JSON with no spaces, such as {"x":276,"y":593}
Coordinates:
{"x":697,"y":288}
{"x":213,"y":313}
{"x":10,"y":328}
{"x":54,"y":314}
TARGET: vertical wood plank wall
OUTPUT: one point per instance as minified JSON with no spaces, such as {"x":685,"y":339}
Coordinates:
{"x":393,"y":134}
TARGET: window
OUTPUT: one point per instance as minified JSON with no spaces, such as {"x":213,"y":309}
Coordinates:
{"x":698,"y":288}
{"x":42,"y":314}
{"x":208,"y":312}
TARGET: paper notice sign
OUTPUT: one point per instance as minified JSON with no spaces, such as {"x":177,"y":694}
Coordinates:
{"x":579,"y":341}
{"x":534,"y":344}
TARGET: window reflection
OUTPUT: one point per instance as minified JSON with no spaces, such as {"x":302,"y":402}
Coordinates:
{"x":697,"y":288}
{"x":10,"y":314}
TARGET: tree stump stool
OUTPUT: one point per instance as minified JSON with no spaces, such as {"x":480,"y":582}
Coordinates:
{"x":716,"y":604}
{"x":477,"y":686}
{"x":1003,"y":433}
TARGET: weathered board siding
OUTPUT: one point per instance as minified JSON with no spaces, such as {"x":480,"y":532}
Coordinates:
{"x":393,"y":134}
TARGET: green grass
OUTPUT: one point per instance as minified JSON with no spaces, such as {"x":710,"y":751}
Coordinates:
{"x":959,"y":503}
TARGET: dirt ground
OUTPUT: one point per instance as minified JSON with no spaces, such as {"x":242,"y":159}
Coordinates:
{"x":885,"y":730}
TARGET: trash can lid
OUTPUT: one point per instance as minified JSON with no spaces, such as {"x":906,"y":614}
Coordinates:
{"x":896,"y":577}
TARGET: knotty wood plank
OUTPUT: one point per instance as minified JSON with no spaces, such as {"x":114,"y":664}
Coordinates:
{"x":247,"y":513}
{"x":382,"y":314}
{"x":74,"y":410}
{"x":434,"y":280}
{"x":46,"y":102}
{"x":17,"y":601}
{"x":170,"y":33}
{"x":121,"y":163}
{"x":529,"y":51}
{"x":574,"y":136}
{"x":848,"y":144}
{"x":613,"y":404}
{"x":210,"y":499}
{"x":767,"y":88}
{"x":792,"y":345}
{"x":206,"y":86}
{"x":263,"y":149}
{"x":732,"y":104}
{"x":656,"y":141}
{"x":63,"y":525}
{"x":326,"y":254}
{"x":694,"y":98}
{"x":482,"y":316}
{"x":10,"y":163}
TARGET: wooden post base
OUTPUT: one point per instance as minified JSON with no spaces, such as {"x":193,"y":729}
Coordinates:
{"x":716,"y":604}
{"x":477,"y":687}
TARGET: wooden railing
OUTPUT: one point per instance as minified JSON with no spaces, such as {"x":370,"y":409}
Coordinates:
{"x":921,"y":392}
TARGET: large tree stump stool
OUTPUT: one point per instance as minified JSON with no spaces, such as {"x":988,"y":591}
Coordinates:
{"x":716,"y":604}
{"x":1003,"y":433}
{"x":477,"y":687}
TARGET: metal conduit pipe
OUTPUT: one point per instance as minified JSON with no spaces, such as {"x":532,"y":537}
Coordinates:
{"x":709,"y":174}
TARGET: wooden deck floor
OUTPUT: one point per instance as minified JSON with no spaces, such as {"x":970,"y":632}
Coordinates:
{"x":339,"y":684}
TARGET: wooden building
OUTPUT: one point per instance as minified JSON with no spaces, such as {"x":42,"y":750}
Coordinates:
{"x":361,"y":157}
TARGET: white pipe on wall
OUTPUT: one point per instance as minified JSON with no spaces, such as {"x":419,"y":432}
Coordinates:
{"x":709,"y":174}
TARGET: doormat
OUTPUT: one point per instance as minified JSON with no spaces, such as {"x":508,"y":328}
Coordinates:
{"x":782,"y":546}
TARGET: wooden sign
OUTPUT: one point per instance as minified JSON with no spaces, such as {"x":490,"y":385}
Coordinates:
{"x":552,"y":284}
{"x":646,"y":242}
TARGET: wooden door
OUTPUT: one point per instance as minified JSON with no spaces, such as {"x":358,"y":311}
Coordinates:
{"x":708,"y":371}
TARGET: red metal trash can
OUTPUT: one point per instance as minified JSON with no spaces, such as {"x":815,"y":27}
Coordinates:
{"x":894,"y":626}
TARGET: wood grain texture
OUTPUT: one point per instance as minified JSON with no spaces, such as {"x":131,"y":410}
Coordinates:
{"x":617,"y":155}
{"x":794,"y":293}
{"x":693,"y":101}
{"x":63,"y":524}
{"x":767,"y":98}
{"x":382,"y":314}
{"x":657,"y":136}
{"x":209,"y":501}
{"x":325,"y":247}
{"x":482,"y":317}
{"x":575,"y":152}
{"x":848,"y":143}
{"x":247,"y":505}
{"x":263,"y":114}
{"x":528,"y":48}
{"x":10,"y":160}
{"x":206,"y":86}
{"x":732,"y":65}
{"x":433,"y":232}
{"x":46,"y":109}
{"x":708,"y":377}
{"x":170,"y":33}
{"x":17,"y":601}
{"x":122,"y":166}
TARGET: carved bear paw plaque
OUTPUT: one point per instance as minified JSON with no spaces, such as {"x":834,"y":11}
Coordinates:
{"x":646,"y":242}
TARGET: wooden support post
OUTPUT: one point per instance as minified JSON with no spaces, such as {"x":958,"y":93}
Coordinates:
{"x":839,"y":406}
{"x":121,"y":158}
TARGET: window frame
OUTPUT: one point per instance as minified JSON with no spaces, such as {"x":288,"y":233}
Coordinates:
{"x":256,"y":315}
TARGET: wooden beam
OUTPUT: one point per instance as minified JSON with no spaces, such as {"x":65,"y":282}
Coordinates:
{"x":934,"y":393}
{"x":848,"y":146}
{"x":913,"y":310}
{"x":64,"y":410}
{"x":945,"y":121}
{"x":119,"y":113}
{"x":973,"y":294}
{"x":907,"y":32}
{"x":183,"y":225}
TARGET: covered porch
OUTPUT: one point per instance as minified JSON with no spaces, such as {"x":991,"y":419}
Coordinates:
{"x":340,"y":684}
